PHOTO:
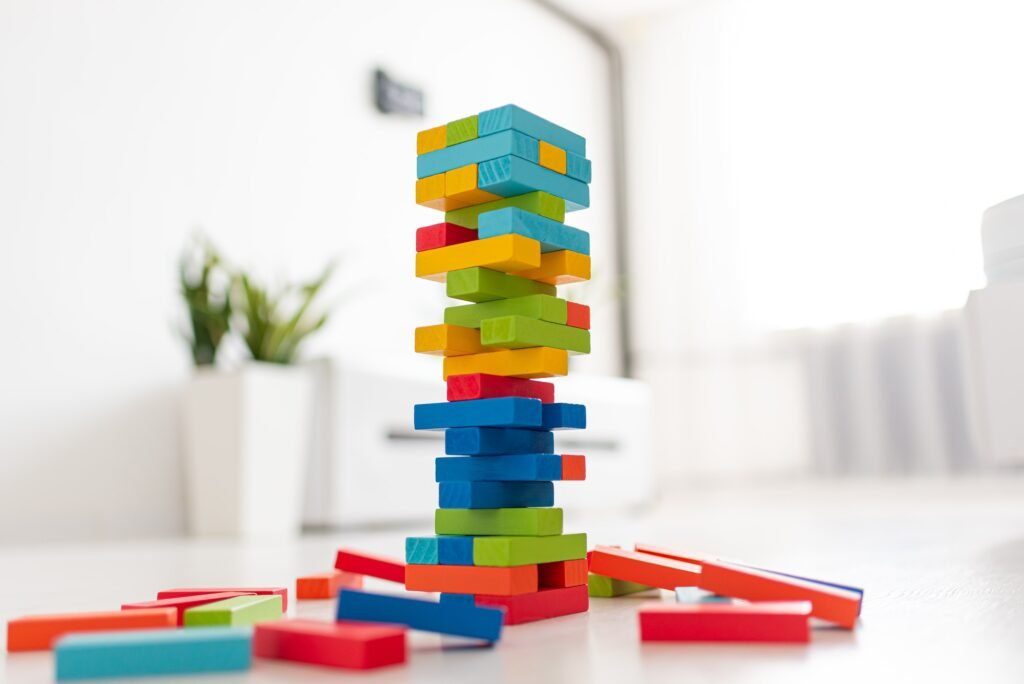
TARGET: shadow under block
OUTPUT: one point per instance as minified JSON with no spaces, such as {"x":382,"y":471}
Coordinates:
{"x":695,"y":595}
{"x":516,"y":118}
{"x":485,"y":386}
{"x":183,"y":603}
{"x":537,"y":362}
{"x":240,"y":611}
{"x":551,"y":235}
{"x":344,"y":645}
{"x":559,"y":268}
{"x":443,"y":550}
{"x":542,"y":203}
{"x":760,"y":622}
{"x":578,"y":167}
{"x":506,"y":551}
{"x":325,"y":585}
{"x":502,"y":253}
{"x":561,"y":416}
{"x":601,"y":586}
{"x":510,"y":468}
{"x":513,"y":412}
{"x":520,"y":332}
{"x":153,"y":652}
{"x":461,"y":130}
{"x":431,"y":139}
{"x":487,"y":441}
{"x":476,"y":151}
{"x":495,"y":494}
{"x":827,"y":603}
{"x":509,"y":176}
{"x":485,"y":285}
{"x":538,"y":306}
{"x":551,"y":157}
{"x":577,"y":315}
{"x":566,"y":573}
{"x":448,"y":340}
{"x":442,"y":235}
{"x":642,"y":568}
{"x":371,"y":565}
{"x":39,"y":632}
{"x":430,"y":616}
{"x":259,"y":591}
{"x":472,"y":579}
{"x":539,"y":605}
{"x":498,"y":521}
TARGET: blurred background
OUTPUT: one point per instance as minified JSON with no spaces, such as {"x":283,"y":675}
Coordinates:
{"x":787,"y":213}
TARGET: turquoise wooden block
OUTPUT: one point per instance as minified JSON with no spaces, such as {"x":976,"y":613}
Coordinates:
{"x":551,"y":235}
{"x":577,"y":167}
{"x":421,"y":550}
{"x":509,"y":176}
{"x":476,"y":151}
{"x":516,"y":118}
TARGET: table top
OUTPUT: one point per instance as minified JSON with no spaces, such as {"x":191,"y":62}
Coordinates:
{"x":941,"y":562}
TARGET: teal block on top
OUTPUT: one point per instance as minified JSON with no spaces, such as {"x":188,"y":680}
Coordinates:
{"x":509,"y":176}
{"x":517,"y":118}
{"x":551,"y":235}
{"x":577,"y":167}
{"x":476,"y":151}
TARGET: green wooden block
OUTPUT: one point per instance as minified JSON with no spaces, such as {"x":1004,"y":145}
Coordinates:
{"x":537,"y":202}
{"x":479,"y":284}
{"x":606,"y":587}
{"x":519,"y":332}
{"x":506,"y":551}
{"x":460,"y":130}
{"x":544,"y":307}
{"x":235,"y":612}
{"x":498,"y":521}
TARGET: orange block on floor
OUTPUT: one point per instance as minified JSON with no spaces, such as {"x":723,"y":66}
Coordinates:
{"x":39,"y":632}
{"x":472,"y":579}
{"x":654,"y":571}
{"x":326,"y":584}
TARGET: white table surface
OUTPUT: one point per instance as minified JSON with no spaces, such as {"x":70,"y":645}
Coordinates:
{"x":942,"y":563}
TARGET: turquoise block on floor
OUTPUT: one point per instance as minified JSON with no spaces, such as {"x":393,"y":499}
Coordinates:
{"x":551,"y":235}
{"x":516,"y":118}
{"x":509,"y":176}
{"x":476,"y":151}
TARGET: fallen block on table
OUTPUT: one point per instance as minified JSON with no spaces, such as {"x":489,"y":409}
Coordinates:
{"x":183,"y":603}
{"x":259,"y":591}
{"x":325,"y":585}
{"x":759,"y":622}
{"x":39,"y":632}
{"x":601,"y":586}
{"x":240,"y":611}
{"x":343,"y":645}
{"x":370,"y":565}
{"x":475,"y":622}
{"x":539,"y":605}
{"x":643,"y":568}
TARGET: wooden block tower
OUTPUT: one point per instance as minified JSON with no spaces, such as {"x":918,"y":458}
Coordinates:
{"x":505,"y":179}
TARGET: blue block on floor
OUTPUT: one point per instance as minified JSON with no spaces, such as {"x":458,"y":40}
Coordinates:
{"x":478,"y":150}
{"x":577,"y":167}
{"x":513,"y":117}
{"x":140,"y":653}
{"x":454,"y":550}
{"x":551,"y":235}
{"x":477,"y":441}
{"x":476,"y":622}
{"x":519,"y":412}
{"x":496,"y":494}
{"x":421,"y":550}
{"x":513,"y":467}
{"x":559,"y":416}
{"x":458,"y":599}
{"x":509,"y":176}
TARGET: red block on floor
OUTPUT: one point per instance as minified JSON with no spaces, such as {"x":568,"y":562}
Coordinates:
{"x":539,"y":605}
{"x":39,"y":632}
{"x":372,"y":565}
{"x":349,"y":645}
{"x":184,"y":603}
{"x":577,"y":315}
{"x":485,"y":386}
{"x":569,"y":573}
{"x":654,"y":571}
{"x":442,"y":235}
{"x":326,"y":584}
{"x":260,"y":591}
{"x":778,"y":622}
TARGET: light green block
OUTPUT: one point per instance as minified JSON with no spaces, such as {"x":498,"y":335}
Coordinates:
{"x":460,"y":130}
{"x":505,"y":551}
{"x":479,"y":284}
{"x":498,"y":521}
{"x":537,"y":202}
{"x":519,"y":332}
{"x":606,"y":587}
{"x":544,"y":307}
{"x":235,"y":612}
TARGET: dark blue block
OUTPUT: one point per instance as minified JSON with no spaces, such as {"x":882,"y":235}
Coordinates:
{"x":452,"y":550}
{"x":563,"y":417}
{"x":458,"y":599}
{"x":472,"y":621}
{"x":514,"y":467}
{"x":496,"y":494}
{"x":516,"y":412}
{"x":471,"y":441}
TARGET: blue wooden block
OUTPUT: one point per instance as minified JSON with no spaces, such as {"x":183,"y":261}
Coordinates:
{"x":577,"y":167}
{"x":559,"y":416}
{"x":496,"y":494}
{"x":551,"y":235}
{"x":472,"y":621}
{"x":454,"y":550}
{"x":515,"y":467}
{"x":421,"y":550}
{"x":458,"y":599}
{"x":498,"y":412}
{"x":476,"y":151}
{"x":487,"y":441}
{"x":511,"y":116}
{"x":509,"y":176}
{"x":139,"y":653}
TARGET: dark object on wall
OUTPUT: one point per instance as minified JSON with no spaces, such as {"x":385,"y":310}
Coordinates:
{"x":392,"y":97}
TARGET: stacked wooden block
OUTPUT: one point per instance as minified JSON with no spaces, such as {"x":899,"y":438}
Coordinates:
{"x":505,"y":179}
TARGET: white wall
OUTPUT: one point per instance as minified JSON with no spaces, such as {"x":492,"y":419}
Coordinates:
{"x":125,"y":124}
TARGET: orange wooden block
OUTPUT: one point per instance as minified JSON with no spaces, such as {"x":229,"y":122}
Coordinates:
{"x":472,"y":579}
{"x":460,"y":189}
{"x":533,"y":362}
{"x":551,"y":157}
{"x":431,"y":139}
{"x":670,"y":553}
{"x":326,"y":584}
{"x":449,"y":340}
{"x":568,"y":573}
{"x":654,"y":571}
{"x":39,"y":632}
{"x":574,"y":467}
{"x":560,"y":268}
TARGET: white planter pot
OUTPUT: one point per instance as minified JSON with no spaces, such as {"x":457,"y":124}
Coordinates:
{"x":247,"y":441}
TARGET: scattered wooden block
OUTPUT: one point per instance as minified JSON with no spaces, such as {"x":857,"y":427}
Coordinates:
{"x":551,"y":157}
{"x":370,"y":565}
{"x":536,"y":202}
{"x":503,"y":253}
{"x":508,"y":176}
{"x":442,"y":235}
{"x":516,"y":118}
{"x":577,"y":315}
{"x":150,"y":652}
{"x":696,"y":559}
{"x":345,"y":645}
{"x":492,"y":441}
{"x":520,"y":332}
{"x":461,"y":130}
{"x":471,"y":621}
{"x":566,"y":573}
{"x":495,"y":494}
{"x":642,"y":568}
{"x":514,"y":412}
{"x":461,"y":190}
{"x":239,"y":611}
{"x":536,"y":362}
{"x":574,"y":467}
{"x":478,"y":150}
{"x":486,"y":285}
{"x":485,"y":386}
{"x":431,"y":139}
{"x":506,"y":551}
{"x":444,"y":339}
{"x":498,"y":521}
{"x":259,"y":591}
{"x":601,"y":586}
{"x":40,"y":632}
{"x":472,"y":579}
{"x":541,"y":307}
{"x":760,"y":622}
{"x":183,"y":603}
{"x":325,"y":585}
{"x":559,"y":268}
{"x":505,"y":468}
{"x":578,"y":167}
{"x":562,"y":416}
{"x":539,"y":605}
{"x":551,"y":235}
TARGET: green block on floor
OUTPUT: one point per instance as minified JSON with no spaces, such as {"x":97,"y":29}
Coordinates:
{"x":519,"y":332}
{"x":460,"y":130}
{"x":506,"y":551}
{"x":498,"y":521}
{"x":538,"y":202}
{"x":235,"y":612}
{"x":606,"y":587}
{"x":479,"y":284}
{"x":544,"y":307}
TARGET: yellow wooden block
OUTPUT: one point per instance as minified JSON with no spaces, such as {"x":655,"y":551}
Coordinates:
{"x":430,"y":192}
{"x":449,"y":340}
{"x":560,"y":268}
{"x":431,"y":139}
{"x":460,"y":188}
{"x":505,"y":253}
{"x":552,"y":157}
{"x":533,"y":362}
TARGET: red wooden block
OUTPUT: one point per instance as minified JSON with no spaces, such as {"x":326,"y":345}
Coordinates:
{"x":485,"y":386}
{"x":260,"y":591}
{"x":574,"y":467}
{"x":40,"y":632}
{"x":184,"y":603}
{"x":777,"y":622}
{"x":577,"y":315}
{"x":442,"y":235}
{"x":696,"y":559}
{"x":568,"y":573}
{"x":654,"y":571}
{"x":539,"y":605}
{"x":349,"y":645}
{"x":326,"y":584}
{"x":827,"y":603}
{"x":369,"y":564}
